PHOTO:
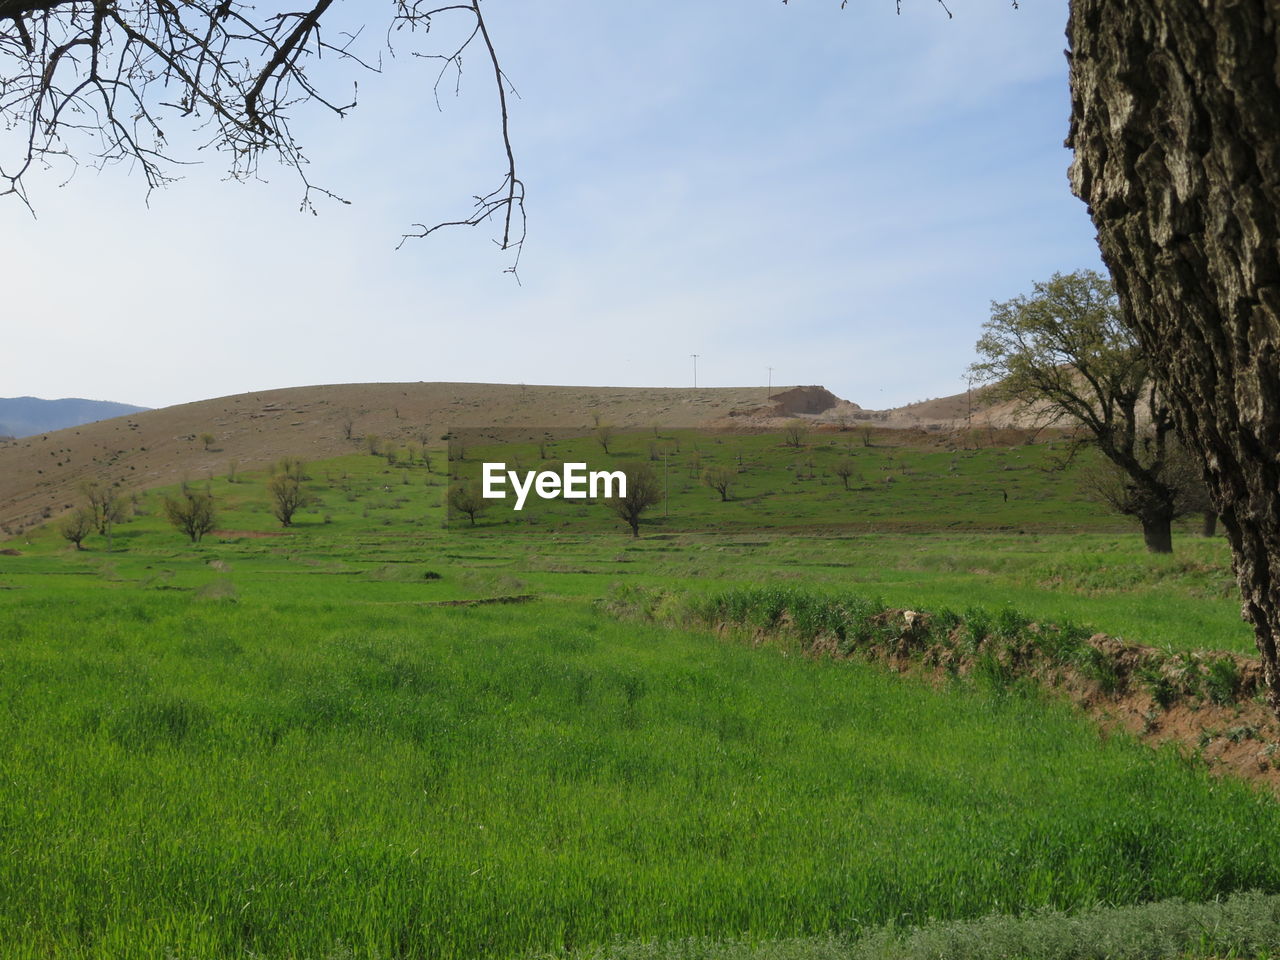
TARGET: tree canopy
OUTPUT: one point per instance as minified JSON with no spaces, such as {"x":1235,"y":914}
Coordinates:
{"x":1065,"y":352}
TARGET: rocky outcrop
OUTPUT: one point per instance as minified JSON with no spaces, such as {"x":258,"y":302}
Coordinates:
{"x":803,"y":400}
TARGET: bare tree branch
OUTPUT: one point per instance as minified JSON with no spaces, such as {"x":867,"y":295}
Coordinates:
{"x":98,"y":80}
{"x":506,"y":201}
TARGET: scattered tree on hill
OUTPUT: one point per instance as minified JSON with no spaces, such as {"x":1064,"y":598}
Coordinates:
{"x":77,"y":526}
{"x":191,"y":512}
{"x":845,"y":469}
{"x":1188,"y":478}
{"x":292,"y":467}
{"x":207,"y":439}
{"x":103,"y":502}
{"x":286,"y":491}
{"x":796,"y":432}
{"x":1113,"y":486}
{"x":1065,"y":354}
{"x":720,"y":479}
{"x":465,"y":498}
{"x":373,"y":443}
{"x":106,"y":508}
{"x":604,"y":436}
{"x":644,"y":490}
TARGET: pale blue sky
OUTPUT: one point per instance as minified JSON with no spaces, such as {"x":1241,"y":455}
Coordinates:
{"x":836,"y":194}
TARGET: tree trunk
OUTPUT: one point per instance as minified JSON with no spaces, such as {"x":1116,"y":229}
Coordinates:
{"x":1157,"y":534}
{"x":1209,"y":524}
{"x":1176,"y":130}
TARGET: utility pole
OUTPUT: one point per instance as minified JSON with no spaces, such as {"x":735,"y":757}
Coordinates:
{"x":770,"y":393}
{"x":695,"y":369}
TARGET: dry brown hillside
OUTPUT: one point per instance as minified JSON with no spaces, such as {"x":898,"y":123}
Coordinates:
{"x":40,"y":475}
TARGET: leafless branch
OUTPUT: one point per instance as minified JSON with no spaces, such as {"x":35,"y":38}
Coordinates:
{"x":97,"y":81}
{"x":506,"y":202}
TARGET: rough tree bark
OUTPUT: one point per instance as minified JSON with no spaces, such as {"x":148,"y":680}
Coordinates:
{"x":1157,"y":534}
{"x":1176,"y":131}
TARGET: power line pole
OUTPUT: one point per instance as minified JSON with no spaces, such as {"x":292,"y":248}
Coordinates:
{"x":770,"y":393}
{"x":695,"y":369}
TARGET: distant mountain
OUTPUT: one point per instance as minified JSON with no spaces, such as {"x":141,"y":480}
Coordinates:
{"x":26,"y":416}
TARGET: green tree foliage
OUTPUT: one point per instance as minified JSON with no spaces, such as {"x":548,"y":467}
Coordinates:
{"x":77,"y":526}
{"x":1064,"y":353}
{"x":644,"y":490}
{"x":465,"y":498}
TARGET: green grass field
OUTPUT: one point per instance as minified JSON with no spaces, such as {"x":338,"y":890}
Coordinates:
{"x":301,"y":744}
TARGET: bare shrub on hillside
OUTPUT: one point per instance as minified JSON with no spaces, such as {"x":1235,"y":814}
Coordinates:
{"x":76,"y":527}
{"x":191,"y":512}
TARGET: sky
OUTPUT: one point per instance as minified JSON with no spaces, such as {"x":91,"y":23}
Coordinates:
{"x":838,"y":195}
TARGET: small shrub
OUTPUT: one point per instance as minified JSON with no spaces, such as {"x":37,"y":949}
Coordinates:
{"x":1009,"y":625}
{"x":1100,"y":668}
{"x":1222,"y":680}
{"x":1162,"y":687}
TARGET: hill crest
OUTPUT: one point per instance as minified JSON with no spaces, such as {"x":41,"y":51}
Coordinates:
{"x":40,"y":475}
{"x":26,"y":416}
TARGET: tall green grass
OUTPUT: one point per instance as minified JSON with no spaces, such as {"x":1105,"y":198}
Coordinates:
{"x":213,"y":778}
